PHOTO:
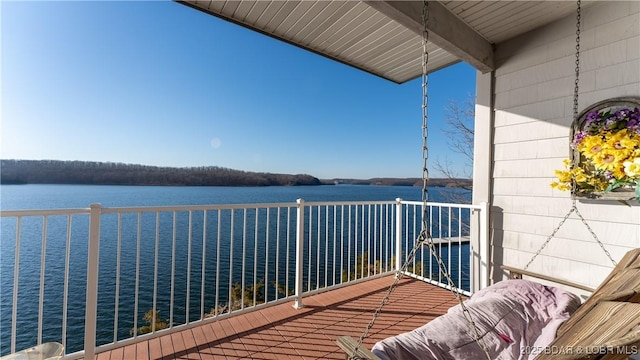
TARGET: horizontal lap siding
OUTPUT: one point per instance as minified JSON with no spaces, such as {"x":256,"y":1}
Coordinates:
{"x":533,"y":114}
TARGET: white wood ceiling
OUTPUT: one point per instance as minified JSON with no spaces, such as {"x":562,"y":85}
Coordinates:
{"x":355,"y":33}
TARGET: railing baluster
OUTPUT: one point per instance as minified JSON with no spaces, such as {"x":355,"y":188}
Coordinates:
{"x":204,"y":261}
{"x":368,"y":252}
{"x":155,"y":273}
{"x":244,"y":257}
{"x":299,"y":253}
{"x":255,"y":261}
{"x":267,"y":256}
{"x":349,"y":246}
{"x":65,"y":286}
{"x":309,"y":248}
{"x":341,"y":241}
{"x":137,"y":285}
{"x":117,"y":289}
{"x":43,"y":255}
{"x":375,"y":236}
{"x":188,"y":296}
{"x":277,"y":263}
{"x":449,"y":266}
{"x":173,"y":267}
{"x":319,"y":209}
{"x":232,"y":231}
{"x":417,"y":227}
{"x":16,"y":271}
{"x":288,"y":252}
{"x":218,"y":240}
{"x":335,"y":230}
{"x":459,"y":248}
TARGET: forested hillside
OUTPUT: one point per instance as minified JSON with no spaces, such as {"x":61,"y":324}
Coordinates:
{"x":100,"y":173}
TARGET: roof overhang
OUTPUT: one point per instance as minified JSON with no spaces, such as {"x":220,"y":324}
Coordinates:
{"x":385,"y":37}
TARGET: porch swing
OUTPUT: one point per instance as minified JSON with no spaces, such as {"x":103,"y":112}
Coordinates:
{"x":606,"y":326}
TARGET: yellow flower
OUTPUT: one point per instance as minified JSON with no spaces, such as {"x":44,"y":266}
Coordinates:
{"x":563,"y":176}
{"x":579,"y":175}
{"x":560,"y":186}
{"x":618,"y":171}
{"x":632,"y":168}
{"x":605,"y":160}
{"x":591,"y":146}
{"x":623,"y":140}
{"x":598,"y":184}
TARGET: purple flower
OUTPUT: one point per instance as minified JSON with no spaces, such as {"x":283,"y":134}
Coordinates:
{"x":578,"y":137}
{"x":608,"y":175}
{"x":622,"y":114}
{"x":591,"y":120}
{"x":593,"y":116}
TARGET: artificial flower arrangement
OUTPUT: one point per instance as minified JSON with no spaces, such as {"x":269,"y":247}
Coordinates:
{"x":606,"y":153}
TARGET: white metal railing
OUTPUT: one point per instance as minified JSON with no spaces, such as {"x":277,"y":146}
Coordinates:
{"x":149,"y":271}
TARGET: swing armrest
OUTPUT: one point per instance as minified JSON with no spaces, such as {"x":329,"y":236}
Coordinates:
{"x":348,"y":345}
{"x":515,"y":273}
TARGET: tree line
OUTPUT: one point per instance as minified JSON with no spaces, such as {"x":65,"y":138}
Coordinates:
{"x":438,"y":182}
{"x":107,"y":173}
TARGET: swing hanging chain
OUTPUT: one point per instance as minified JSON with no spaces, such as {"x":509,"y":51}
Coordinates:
{"x":425,"y":234}
{"x":574,"y":207}
{"x":425,"y":178}
{"x":577,"y":69}
{"x":425,"y":114}
{"x":399,"y":275}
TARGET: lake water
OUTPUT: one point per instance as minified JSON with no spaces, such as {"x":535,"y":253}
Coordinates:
{"x":29,"y":197}
{"x":13,"y":197}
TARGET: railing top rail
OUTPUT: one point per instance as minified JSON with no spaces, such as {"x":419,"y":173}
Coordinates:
{"x":48,"y":212}
{"x":112,"y":210}
{"x":321,"y":203}
{"x":463,"y":206}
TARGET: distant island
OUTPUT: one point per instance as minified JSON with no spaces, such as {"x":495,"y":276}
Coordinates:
{"x":436,"y":182}
{"x":107,"y":173}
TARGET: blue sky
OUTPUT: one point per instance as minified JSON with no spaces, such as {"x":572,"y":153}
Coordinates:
{"x":159,"y":83}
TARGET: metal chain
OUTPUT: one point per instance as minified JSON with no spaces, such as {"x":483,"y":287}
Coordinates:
{"x":425,"y":114}
{"x":385,"y":300}
{"x":577,"y":69}
{"x":424,"y":236}
{"x":574,"y":207}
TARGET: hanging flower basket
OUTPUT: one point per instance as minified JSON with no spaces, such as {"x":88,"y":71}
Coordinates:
{"x":605,"y":156}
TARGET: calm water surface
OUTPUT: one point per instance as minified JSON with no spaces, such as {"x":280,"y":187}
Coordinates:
{"x":15,"y":197}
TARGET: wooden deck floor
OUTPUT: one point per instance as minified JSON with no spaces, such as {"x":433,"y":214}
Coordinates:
{"x":282,"y":332}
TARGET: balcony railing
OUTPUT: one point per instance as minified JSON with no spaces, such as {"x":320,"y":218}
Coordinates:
{"x":99,"y":278}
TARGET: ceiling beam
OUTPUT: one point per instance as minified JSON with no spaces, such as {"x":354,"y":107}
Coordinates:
{"x":446,"y":30}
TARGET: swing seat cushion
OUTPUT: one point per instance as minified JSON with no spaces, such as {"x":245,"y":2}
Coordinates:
{"x":511,"y":316}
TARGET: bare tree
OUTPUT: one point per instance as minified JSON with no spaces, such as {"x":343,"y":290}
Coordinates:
{"x":459,"y":119}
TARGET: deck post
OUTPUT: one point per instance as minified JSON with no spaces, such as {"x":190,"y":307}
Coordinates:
{"x":484,"y":250}
{"x":299,"y":254}
{"x":91,"y":309}
{"x":398,"y":234}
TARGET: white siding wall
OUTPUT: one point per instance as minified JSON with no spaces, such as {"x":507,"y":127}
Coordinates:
{"x":533,"y":113}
